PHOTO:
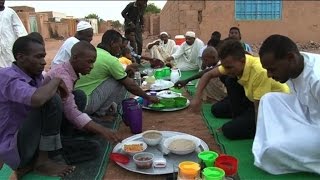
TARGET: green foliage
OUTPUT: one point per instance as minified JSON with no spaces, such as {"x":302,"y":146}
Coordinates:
{"x":152,"y":8}
{"x":92,"y":16}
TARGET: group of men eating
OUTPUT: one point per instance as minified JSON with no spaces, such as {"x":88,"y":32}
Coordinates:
{"x":273,"y":98}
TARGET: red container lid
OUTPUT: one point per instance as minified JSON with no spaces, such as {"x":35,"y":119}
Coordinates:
{"x":120,"y":158}
{"x":228,"y":163}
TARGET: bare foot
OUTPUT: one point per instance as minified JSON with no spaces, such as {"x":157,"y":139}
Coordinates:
{"x":17,"y":174}
{"x":50,"y":168}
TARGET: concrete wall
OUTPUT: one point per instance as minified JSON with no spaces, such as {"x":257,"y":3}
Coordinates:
{"x":300,"y":20}
{"x":94,"y":24}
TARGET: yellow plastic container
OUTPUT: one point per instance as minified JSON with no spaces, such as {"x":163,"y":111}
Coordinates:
{"x":189,"y":170}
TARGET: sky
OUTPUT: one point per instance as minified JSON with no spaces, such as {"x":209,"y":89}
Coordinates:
{"x":107,"y":10}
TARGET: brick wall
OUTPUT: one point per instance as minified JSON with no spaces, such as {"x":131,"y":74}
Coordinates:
{"x":151,"y":24}
{"x":300,"y":20}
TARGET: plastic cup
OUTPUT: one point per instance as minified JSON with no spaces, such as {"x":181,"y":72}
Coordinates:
{"x":208,"y":157}
{"x":228,"y":163}
{"x":213,"y":173}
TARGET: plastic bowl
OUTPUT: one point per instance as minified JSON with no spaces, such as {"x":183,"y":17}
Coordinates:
{"x":180,"y":101}
{"x":128,"y":147}
{"x":143,"y":160}
{"x":152,"y":137}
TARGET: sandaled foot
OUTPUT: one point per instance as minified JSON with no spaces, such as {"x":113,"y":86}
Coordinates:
{"x":17,"y":174}
{"x":50,"y":168}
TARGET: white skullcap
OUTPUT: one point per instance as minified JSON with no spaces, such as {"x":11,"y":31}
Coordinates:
{"x":164,"y":33}
{"x":190,"y":34}
{"x":82,"y":25}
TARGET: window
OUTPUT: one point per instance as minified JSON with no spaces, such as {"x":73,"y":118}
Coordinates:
{"x":258,"y":10}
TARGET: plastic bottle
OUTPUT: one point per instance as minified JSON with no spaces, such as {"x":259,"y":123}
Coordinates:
{"x":137,"y":78}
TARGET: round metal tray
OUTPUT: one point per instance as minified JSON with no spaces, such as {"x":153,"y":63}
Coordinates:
{"x":172,"y":159}
{"x":168,"y":109}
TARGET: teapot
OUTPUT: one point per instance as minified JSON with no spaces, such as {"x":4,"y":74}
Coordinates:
{"x":175,"y":75}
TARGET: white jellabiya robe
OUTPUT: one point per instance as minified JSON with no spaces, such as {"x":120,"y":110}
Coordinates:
{"x":288,"y":127}
{"x":11,"y":28}
{"x":162,"y":51}
{"x":186,"y":57}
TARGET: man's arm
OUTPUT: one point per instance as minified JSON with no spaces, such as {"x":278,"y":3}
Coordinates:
{"x":196,"y":101}
{"x":45,"y":92}
{"x":133,"y":88}
{"x":125,"y":11}
{"x":150,"y":45}
{"x":182,"y":83}
{"x":204,"y":80}
{"x":104,"y":132}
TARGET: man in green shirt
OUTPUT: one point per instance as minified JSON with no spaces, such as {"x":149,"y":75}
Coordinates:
{"x":108,"y":83}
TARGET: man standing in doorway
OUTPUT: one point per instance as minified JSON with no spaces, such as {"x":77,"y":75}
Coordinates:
{"x":11,"y":28}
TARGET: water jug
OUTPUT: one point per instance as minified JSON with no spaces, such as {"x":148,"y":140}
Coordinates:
{"x":175,"y":75}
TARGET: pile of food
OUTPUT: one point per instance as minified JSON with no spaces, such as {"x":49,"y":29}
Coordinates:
{"x":181,"y":144}
{"x":133,"y":147}
{"x":176,"y":102}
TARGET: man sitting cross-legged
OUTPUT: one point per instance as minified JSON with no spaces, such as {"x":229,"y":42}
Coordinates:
{"x":30,"y":112}
{"x":83,"y":56}
{"x":108,"y":82}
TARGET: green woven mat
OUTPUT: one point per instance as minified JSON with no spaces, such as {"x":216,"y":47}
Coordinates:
{"x":241,"y":149}
{"x":94,"y":169}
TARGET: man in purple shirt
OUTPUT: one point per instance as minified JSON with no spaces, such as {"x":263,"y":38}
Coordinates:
{"x":83,"y":56}
{"x":30,"y":113}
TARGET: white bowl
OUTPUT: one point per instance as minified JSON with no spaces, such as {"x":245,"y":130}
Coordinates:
{"x":191,"y":143}
{"x":143,"y":144}
{"x":152,"y":137}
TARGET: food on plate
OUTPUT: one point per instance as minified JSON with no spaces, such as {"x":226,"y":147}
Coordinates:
{"x":133,"y":147}
{"x":181,"y":144}
{"x":156,"y":106}
{"x":143,"y":160}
